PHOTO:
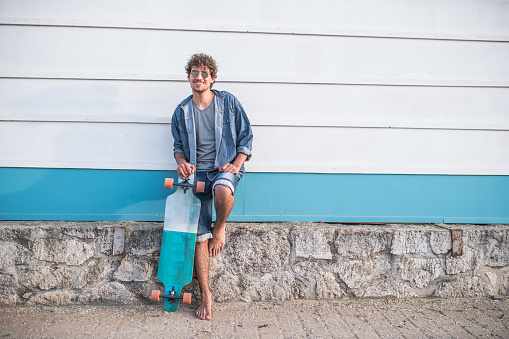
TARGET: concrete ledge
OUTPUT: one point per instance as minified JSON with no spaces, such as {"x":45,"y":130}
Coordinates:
{"x":60,"y":263}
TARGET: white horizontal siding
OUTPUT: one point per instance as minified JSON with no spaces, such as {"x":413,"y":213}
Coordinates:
{"x":85,"y":145}
{"x":140,"y":54}
{"x":462,"y":19}
{"x":334,"y":87}
{"x":153,"y":102}
{"x":277,"y":149}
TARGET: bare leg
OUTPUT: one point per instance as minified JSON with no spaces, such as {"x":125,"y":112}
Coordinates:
{"x":201,"y":264}
{"x":223,"y":201}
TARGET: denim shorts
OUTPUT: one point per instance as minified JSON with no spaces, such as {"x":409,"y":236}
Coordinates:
{"x":211,"y":179}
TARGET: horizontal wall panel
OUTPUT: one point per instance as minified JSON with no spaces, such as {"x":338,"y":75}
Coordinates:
{"x":89,"y":100}
{"x":266,"y":104}
{"x":383,"y":150}
{"x":449,"y":19}
{"x":82,"y":51}
{"x":64,"y":194}
{"x":276,"y":149}
{"x":376,"y":106}
{"x":86,"y":145}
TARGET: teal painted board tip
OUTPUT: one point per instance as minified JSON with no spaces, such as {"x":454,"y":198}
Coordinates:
{"x":176,"y":263}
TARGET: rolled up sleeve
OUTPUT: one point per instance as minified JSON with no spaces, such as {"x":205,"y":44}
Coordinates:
{"x":177,"y":138}
{"x":244,"y":132}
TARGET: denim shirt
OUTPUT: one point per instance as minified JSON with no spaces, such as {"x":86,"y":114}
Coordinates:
{"x":233,"y":132}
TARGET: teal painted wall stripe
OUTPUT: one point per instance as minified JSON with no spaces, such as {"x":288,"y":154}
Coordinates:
{"x":81,"y":194}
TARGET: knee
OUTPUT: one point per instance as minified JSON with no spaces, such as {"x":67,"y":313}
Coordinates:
{"x":222,"y":192}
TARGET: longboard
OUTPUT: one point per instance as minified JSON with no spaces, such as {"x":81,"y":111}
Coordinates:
{"x":179,"y":238}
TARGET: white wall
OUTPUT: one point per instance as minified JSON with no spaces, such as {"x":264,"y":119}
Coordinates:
{"x":330,"y":86}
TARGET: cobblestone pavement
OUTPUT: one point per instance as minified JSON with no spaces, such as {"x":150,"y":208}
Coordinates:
{"x":387,"y":318}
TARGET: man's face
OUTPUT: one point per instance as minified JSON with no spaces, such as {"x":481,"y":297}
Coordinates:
{"x":198,"y":82}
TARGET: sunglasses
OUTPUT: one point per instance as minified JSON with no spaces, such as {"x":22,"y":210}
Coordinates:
{"x":194,"y":74}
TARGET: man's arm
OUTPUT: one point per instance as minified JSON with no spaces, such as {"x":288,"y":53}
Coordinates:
{"x":184,"y":168}
{"x":244,"y":133}
{"x":236,"y":165}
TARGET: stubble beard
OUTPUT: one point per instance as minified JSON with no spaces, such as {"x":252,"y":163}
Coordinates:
{"x":200,"y":89}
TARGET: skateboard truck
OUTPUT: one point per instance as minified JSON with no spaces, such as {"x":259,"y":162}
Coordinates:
{"x":169,"y":183}
{"x":156,"y":296}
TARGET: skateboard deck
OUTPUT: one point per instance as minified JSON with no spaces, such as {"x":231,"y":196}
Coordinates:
{"x":179,"y":238}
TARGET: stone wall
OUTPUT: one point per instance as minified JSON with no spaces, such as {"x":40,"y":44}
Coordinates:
{"x":72,"y":262}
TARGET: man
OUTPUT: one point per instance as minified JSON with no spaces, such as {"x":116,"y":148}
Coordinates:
{"x":212,"y":137}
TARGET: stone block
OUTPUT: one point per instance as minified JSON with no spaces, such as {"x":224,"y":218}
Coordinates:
{"x":46,"y":231}
{"x":12,"y":232}
{"x":106,"y":240}
{"x":315,"y":278}
{"x":227,"y":287}
{"x":45,"y":277}
{"x":359,"y":243}
{"x":80,"y":230}
{"x":421,"y":271}
{"x":440,"y":241}
{"x":504,"y":284}
{"x":327,"y":286}
{"x":492,"y":280}
{"x":9,"y":283}
{"x":468,"y":261}
{"x":410,"y":241}
{"x":94,"y":270}
{"x":389,"y":288}
{"x":61,"y":297}
{"x":361,"y":273}
{"x":256,"y":251}
{"x":497,"y":251}
{"x":466,"y":286}
{"x":313,"y":244}
{"x":273,"y":286}
{"x":135,"y":268}
{"x":12,"y":253}
{"x":68,"y":251}
{"x":110,"y":292}
{"x":144,"y":238}
{"x":309,"y":269}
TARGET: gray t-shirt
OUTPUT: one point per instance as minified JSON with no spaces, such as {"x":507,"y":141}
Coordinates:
{"x":205,"y":137}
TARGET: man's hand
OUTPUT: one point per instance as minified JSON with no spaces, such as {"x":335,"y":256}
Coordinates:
{"x":235,"y":167}
{"x":229,"y":168}
{"x":185,"y":169}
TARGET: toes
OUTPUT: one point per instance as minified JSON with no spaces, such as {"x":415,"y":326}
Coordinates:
{"x":214,"y":250}
{"x":203,"y":314}
{"x":200,"y":315}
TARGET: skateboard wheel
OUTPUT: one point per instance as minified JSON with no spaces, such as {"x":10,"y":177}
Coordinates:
{"x":186,"y":298}
{"x":155,"y":295}
{"x":168,"y":183}
{"x":200,"y":186}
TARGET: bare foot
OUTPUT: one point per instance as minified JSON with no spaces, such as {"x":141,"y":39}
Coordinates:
{"x":216,"y":244}
{"x":204,"y":311}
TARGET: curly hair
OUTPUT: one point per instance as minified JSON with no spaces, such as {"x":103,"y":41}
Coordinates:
{"x":199,"y":60}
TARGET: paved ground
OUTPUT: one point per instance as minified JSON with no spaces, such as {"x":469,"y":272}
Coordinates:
{"x":422,"y":318}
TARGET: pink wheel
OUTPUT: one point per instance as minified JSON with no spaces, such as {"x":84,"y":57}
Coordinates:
{"x":155,"y":295}
{"x":168,"y":183}
{"x":186,"y":298}
{"x":200,"y":186}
